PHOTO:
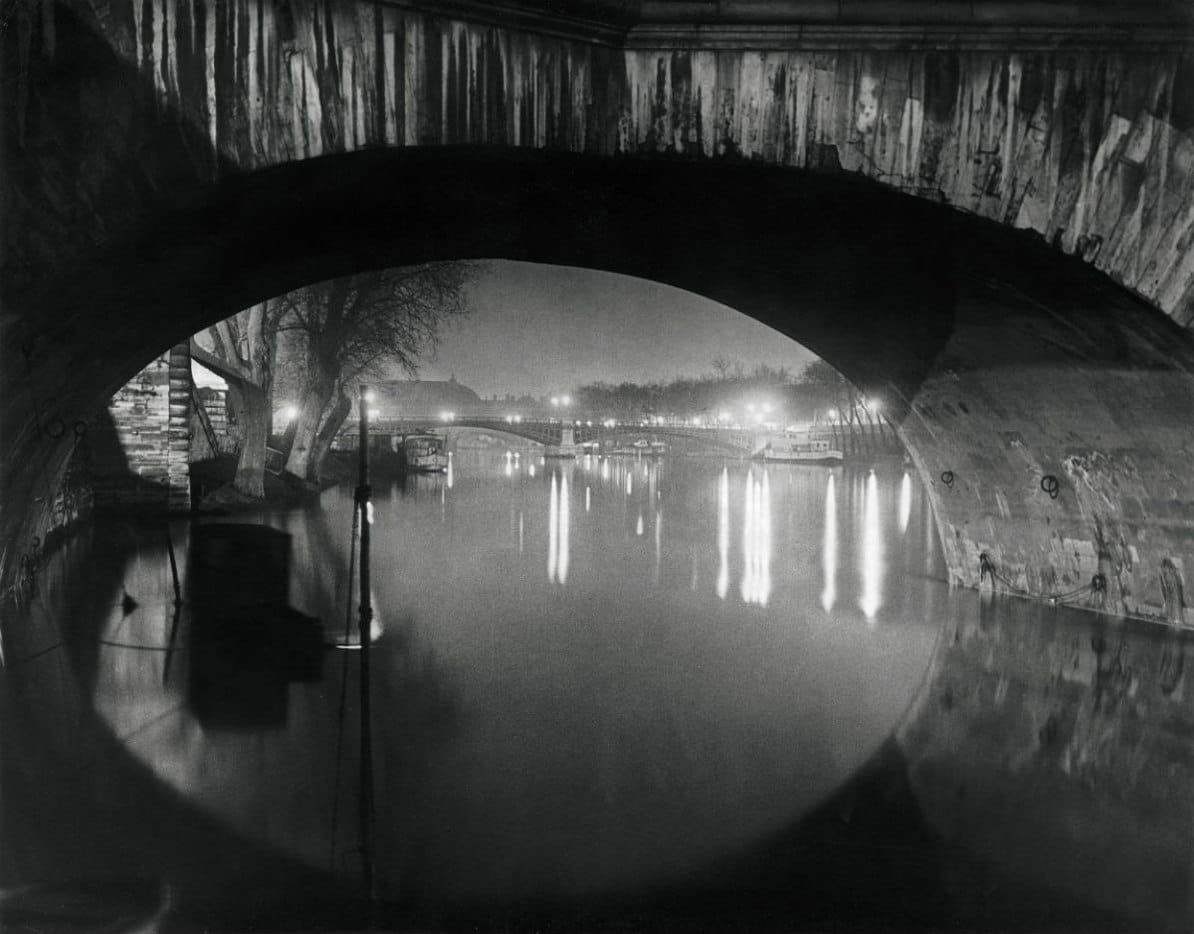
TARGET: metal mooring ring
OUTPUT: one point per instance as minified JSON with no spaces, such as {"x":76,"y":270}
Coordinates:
{"x":55,"y":427}
{"x":1050,"y":485}
{"x":947,"y":477}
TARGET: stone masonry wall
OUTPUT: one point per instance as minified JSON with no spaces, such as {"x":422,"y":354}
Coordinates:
{"x":145,"y":463}
{"x":1091,"y":147}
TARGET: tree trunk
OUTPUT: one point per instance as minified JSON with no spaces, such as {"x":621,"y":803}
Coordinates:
{"x":327,"y":434}
{"x":255,"y":421}
{"x":234,"y":408}
{"x":316,"y":396}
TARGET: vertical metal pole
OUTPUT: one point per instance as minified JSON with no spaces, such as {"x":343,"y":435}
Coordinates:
{"x":365,"y":628}
{"x":173,"y":566}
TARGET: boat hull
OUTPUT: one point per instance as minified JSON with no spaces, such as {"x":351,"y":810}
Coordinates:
{"x":434,"y":464}
{"x":818,"y":460}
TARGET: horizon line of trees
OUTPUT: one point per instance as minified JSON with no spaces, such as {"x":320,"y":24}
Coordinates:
{"x":815,"y":390}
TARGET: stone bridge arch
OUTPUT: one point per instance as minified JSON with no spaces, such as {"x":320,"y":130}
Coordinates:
{"x":1046,"y":406}
{"x":1072,"y":121}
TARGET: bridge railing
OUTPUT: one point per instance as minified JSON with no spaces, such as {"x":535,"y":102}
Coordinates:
{"x":870,"y":438}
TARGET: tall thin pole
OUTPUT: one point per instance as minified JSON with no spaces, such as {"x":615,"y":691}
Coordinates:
{"x":366,"y":620}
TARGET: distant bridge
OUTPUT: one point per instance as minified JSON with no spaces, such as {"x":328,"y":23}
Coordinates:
{"x":854,"y":440}
{"x":551,"y":432}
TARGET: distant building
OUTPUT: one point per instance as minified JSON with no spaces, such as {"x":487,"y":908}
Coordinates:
{"x":426,"y":398}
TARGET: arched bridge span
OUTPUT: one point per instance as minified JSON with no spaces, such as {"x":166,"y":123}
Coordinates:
{"x":1055,"y":402}
{"x":552,"y":431}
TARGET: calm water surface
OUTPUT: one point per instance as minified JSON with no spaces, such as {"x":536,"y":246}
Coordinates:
{"x":588,"y":673}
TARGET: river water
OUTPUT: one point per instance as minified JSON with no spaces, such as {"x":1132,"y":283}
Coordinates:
{"x":587,"y":674}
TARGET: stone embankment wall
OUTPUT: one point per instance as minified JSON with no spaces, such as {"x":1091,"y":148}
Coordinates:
{"x":143,"y":458}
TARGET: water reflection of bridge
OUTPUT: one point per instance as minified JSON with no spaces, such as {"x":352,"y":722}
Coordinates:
{"x":853,"y":439}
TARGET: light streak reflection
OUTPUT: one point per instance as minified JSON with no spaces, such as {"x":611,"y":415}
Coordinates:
{"x":553,"y":529}
{"x":558,"y":529}
{"x":723,"y":533}
{"x":905,"y":503}
{"x":756,"y":540}
{"x":565,"y":528}
{"x":658,"y":541}
{"x":872,"y":557}
{"x":829,"y":548}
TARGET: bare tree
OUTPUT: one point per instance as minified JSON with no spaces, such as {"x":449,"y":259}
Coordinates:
{"x":245,"y":344}
{"x":721,"y":366}
{"x":356,"y":323}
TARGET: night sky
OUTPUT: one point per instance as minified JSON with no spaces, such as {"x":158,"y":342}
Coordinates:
{"x":544,"y":329}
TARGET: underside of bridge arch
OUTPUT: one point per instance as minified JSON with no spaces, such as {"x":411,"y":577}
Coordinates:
{"x":1046,"y":408}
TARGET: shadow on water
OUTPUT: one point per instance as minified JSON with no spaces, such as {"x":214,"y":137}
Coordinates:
{"x":92,"y":838}
{"x":247,"y":644}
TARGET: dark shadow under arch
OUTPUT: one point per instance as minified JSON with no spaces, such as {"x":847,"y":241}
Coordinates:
{"x":865,"y":277}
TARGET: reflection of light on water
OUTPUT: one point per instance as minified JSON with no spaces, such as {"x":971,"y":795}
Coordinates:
{"x":748,"y":530}
{"x":658,"y":539}
{"x":905,"y":502}
{"x":763,"y":549}
{"x":558,"y":521}
{"x":532,"y":470}
{"x":450,"y":471}
{"x":829,"y":548}
{"x":353,"y":641}
{"x":565,"y":523}
{"x":723,"y":533}
{"x":629,"y":483}
{"x":588,"y":498}
{"x":553,"y":530}
{"x":520,"y":533}
{"x":638,"y":530}
{"x":756,"y":540}
{"x":605,"y":470}
{"x":872,"y":570}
